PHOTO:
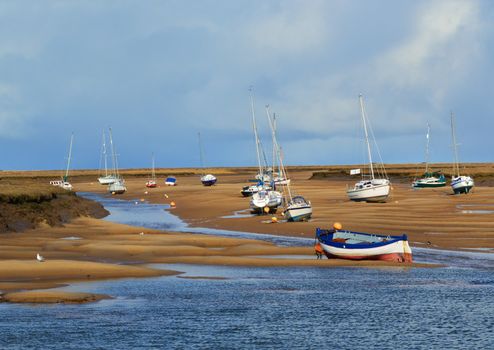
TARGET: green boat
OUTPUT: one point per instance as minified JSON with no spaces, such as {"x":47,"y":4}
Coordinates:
{"x":429,"y":178}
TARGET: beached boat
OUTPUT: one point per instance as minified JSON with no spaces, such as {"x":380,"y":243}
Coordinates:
{"x":372,"y":189}
{"x":265,"y":201}
{"x":206,"y":179}
{"x":171,"y":181}
{"x":64,"y":183}
{"x":429,"y":178}
{"x":118,"y":186}
{"x":248,"y":191}
{"x":459,"y":183}
{"x":105,"y":178}
{"x":296,"y":207}
{"x":363,"y":246}
{"x":151,"y":182}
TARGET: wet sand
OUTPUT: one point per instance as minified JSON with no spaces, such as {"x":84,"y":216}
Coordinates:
{"x":91,"y":249}
{"x":430,"y":217}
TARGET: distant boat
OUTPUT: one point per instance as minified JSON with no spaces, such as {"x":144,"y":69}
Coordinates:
{"x":118,"y":186}
{"x":206,"y":179}
{"x":429,"y":178}
{"x":266,"y":199}
{"x":105,"y":179}
{"x":296,"y":208}
{"x":372,"y":189}
{"x":459,"y":183}
{"x":248,"y":191}
{"x":171,"y":181}
{"x":64,"y":183}
{"x":151,"y":183}
{"x":364,"y":246}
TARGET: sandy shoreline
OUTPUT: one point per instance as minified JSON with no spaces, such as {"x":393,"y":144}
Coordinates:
{"x":105,"y":250}
{"x":430,"y":217}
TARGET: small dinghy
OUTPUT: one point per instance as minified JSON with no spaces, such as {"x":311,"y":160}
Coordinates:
{"x":337,"y":243}
{"x":171,"y":181}
{"x":208,"y":180}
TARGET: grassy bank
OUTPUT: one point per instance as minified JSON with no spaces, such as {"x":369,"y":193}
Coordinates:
{"x":28,"y":203}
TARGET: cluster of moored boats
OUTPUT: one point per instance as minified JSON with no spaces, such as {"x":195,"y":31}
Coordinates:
{"x":272,"y":189}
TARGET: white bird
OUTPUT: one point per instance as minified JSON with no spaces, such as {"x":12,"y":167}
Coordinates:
{"x":39,"y":258}
{"x":142,"y":233}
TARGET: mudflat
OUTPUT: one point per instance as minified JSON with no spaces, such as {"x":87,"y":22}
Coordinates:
{"x":88,"y":249}
{"x":431,"y":217}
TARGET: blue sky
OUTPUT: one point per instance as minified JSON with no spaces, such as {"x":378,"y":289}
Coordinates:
{"x":158,"y":72}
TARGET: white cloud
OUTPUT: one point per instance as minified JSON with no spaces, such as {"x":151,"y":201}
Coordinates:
{"x":295,"y":28}
{"x":443,"y":46}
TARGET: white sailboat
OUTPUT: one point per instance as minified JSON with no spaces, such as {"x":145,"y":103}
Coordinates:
{"x":265,"y":199}
{"x":430,"y":178}
{"x":117,"y":187}
{"x":372,"y":189}
{"x":64,"y":183}
{"x":279,"y":177}
{"x":151,"y":183}
{"x":206,"y":179}
{"x":459,"y":183}
{"x":105,"y":178}
{"x":297,"y":208}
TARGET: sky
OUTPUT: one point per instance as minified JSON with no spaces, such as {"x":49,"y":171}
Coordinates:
{"x":159,"y":72}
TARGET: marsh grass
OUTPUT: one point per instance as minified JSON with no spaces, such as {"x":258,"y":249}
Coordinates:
{"x":16,"y":191}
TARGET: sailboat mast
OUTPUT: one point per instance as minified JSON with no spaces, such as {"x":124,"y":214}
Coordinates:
{"x":427,"y":148}
{"x":201,"y":155}
{"x":254,"y":126}
{"x":364,"y":118}
{"x":69,"y":158}
{"x":274,"y":145}
{"x":114,"y":157}
{"x":456,"y":166}
{"x":277,"y":148}
{"x":104,"y":154}
{"x":153,"y":173}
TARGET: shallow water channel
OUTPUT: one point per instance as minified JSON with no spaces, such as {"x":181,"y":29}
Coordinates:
{"x":267,"y":308}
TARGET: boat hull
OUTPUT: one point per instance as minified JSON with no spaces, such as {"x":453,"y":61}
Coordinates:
{"x":426,"y":183}
{"x":462,"y":184}
{"x":376,"y":193}
{"x":208,"y":180}
{"x":266,"y":199}
{"x":106,"y":180}
{"x":151,"y":184}
{"x":370,"y":247}
{"x":117,"y":188}
{"x":171,"y":181}
{"x":298,"y":214}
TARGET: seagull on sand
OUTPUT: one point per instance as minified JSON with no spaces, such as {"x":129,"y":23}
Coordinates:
{"x":39,"y":258}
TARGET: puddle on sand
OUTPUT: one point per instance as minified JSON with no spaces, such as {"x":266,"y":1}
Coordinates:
{"x":156,"y":216}
{"x":71,"y":238}
{"x":244,"y":213}
{"x":476,"y":208}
